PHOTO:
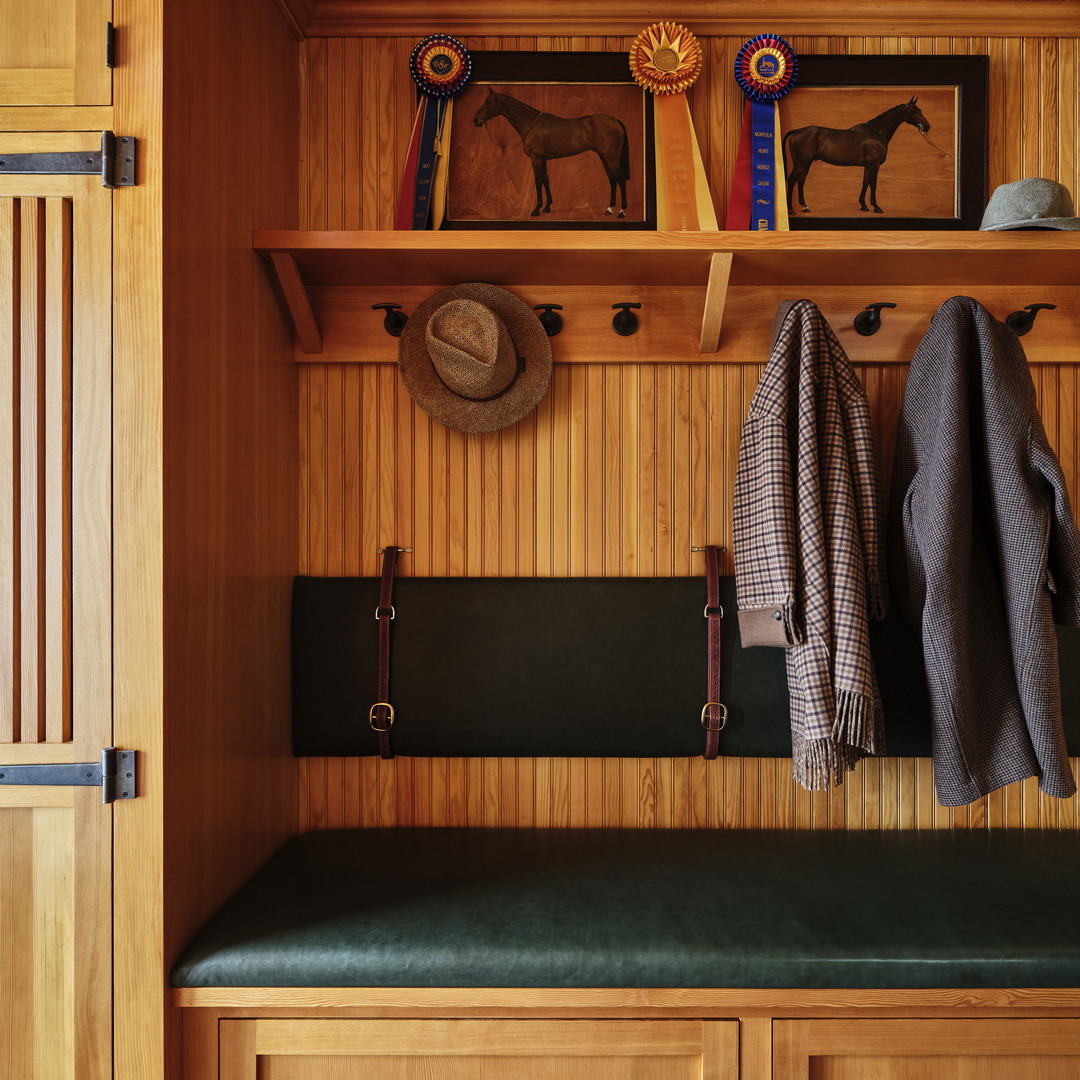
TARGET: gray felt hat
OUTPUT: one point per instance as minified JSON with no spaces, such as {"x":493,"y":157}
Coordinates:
{"x":475,"y":357}
{"x":1035,"y":203}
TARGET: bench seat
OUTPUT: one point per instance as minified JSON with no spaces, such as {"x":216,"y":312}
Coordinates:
{"x":574,"y":908}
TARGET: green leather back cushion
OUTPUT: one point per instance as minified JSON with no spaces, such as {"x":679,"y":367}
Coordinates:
{"x":565,"y":667}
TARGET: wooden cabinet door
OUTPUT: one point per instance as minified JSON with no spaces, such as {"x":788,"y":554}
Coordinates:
{"x":475,"y":1049}
{"x":52,"y":52}
{"x":55,"y":638}
{"x":926,"y":1049}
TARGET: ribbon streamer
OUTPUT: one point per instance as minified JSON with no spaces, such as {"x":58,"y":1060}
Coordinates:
{"x":765,"y":70}
{"x":665,"y":59}
{"x":440,"y":66}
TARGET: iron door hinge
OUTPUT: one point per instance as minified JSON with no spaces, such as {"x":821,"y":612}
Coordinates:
{"x":114,"y":162}
{"x":115,"y":774}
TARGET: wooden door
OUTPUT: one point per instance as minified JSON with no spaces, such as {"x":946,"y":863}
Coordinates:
{"x":479,"y":1049}
{"x":55,"y":636}
{"x":52,"y":52}
{"x":1019,"y":1049}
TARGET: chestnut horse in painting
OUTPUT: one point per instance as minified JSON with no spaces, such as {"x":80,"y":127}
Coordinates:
{"x":545,"y":136}
{"x":864,"y":144}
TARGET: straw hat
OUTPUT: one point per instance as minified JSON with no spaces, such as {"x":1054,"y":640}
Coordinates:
{"x":475,"y":357}
{"x":1035,"y":203}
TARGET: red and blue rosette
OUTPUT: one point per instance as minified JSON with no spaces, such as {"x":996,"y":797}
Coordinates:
{"x":765,"y":69}
{"x":440,"y":66}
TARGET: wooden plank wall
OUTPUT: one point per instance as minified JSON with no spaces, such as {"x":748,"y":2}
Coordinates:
{"x":619,"y":471}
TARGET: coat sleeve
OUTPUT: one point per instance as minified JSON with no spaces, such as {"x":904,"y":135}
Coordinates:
{"x":764,"y":536}
{"x":1063,"y":549}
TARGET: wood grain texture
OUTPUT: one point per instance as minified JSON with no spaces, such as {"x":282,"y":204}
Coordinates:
{"x":205,"y":484}
{"x":359,"y":102}
{"x":55,"y":984}
{"x":839,"y":17}
{"x":343,"y":1049}
{"x":643,"y":468}
{"x":228,"y":457}
{"x":643,"y":1003}
{"x":926,"y":1049}
{"x":53,"y":53}
{"x":621,"y":468}
{"x":56,"y":417}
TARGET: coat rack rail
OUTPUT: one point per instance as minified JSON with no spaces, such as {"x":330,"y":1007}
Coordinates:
{"x":329,"y":282}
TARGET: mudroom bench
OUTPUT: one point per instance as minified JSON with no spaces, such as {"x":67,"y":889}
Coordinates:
{"x":765,"y":951}
{"x":490,"y":952}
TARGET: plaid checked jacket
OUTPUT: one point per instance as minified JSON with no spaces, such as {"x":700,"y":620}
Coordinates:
{"x":809,"y":549}
{"x":984,"y":556}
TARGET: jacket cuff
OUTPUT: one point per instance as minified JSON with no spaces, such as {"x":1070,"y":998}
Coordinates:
{"x":767,"y":626}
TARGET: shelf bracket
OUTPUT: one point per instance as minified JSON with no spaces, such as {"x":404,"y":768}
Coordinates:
{"x":297,"y":300}
{"x":715,"y":299}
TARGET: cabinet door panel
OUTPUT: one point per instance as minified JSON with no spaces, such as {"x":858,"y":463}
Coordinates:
{"x":945,"y":1068}
{"x":55,"y":621}
{"x":478,"y":1050}
{"x":52,"y":52}
{"x":927,"y":1049}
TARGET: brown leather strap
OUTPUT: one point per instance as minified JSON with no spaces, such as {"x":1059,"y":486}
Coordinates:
{"x":714,"y":714}
{"x":381,"y":714}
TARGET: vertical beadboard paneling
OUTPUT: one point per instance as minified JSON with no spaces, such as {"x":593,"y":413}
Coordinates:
{"x":617,"y":472}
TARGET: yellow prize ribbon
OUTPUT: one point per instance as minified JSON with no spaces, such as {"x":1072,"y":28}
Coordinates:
{"x":665,"y":59}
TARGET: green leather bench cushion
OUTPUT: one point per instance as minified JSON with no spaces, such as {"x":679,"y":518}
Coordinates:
{"x":651,"y":908}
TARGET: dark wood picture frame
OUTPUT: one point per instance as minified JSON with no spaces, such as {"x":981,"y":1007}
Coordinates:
{"x":475,"y":159}
{"x":965,"y":135}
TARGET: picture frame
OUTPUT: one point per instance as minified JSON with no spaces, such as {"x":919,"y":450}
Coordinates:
{"x":559,"y":100}
{"x":932,"y":182}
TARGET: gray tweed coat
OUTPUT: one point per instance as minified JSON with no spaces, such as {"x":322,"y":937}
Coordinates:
{"x":984,"y":556}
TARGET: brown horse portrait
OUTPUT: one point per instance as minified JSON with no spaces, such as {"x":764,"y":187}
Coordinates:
{"x":545,"y":136}
{"x":864,"y":144}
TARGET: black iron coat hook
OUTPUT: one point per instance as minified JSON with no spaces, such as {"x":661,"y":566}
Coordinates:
{"x":625,"y":322}
{"x":868,"y":322}
{"x":1023,"y":321}
{"x":395,"y":320}
{"x":551,"y":322}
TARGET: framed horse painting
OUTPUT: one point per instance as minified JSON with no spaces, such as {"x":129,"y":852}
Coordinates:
{"x":886,"y":142}
{"x":551,"y":141}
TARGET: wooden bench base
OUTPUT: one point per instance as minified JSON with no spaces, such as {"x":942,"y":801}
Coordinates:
{"x":611,"y":1034}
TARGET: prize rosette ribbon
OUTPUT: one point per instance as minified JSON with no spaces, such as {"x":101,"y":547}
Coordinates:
{"x":665,"y":59}
{"x":765,"y":70}
{"x":440,"y":65}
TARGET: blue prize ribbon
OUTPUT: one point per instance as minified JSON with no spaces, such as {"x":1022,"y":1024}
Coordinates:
{"x":425,"y":163}
{"x":762,"y":167}
{"x":765,"y":70}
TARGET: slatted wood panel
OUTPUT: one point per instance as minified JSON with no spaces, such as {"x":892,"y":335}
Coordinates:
{"x":35,"y":470}
{"x":619,"y":471}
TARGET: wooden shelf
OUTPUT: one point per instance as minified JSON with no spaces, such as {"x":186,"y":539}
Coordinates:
{"x":387,"y":18}
{"x":679,"y":270}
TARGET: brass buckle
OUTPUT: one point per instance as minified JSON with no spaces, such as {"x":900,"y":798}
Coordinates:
{"x":377,"y":617}
{"x":389,"y":719}
{"x":719,"y":610}
{"x":723,"y":715}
